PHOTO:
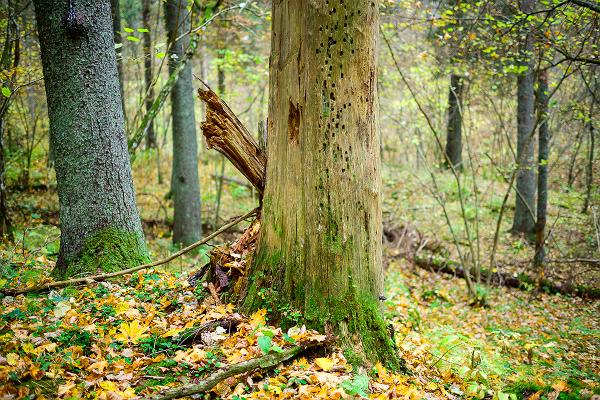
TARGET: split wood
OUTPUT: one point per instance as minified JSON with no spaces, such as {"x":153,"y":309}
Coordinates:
{"x":97,"y":278}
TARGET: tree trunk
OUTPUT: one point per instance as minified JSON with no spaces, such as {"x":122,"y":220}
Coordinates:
{"x":454,"y":128}
{"x":115,"y":10}
{"x":5,"y":226}
{"x":100,"y":225}
{"x":9,"y":60}
{"x":148,"y":75}
{"x":525,"y":199}
{"x":320,"y":245}
{"x":187,"y":225}
{"x":589,"y":170}
{"x":543,"y":151}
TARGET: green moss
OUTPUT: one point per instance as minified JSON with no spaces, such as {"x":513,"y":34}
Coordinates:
{"x":109,"y":250}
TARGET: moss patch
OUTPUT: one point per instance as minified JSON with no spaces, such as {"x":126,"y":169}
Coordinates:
{"x":109,"y":250}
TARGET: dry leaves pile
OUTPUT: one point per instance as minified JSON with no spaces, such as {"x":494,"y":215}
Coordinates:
{"x":130,"y":340}
{"x":111,"y":341}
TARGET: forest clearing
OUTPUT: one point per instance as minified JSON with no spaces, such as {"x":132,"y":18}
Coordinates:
{"x":323,"y":199}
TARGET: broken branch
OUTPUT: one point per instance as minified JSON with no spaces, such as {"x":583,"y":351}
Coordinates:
{"x":225,"y":133}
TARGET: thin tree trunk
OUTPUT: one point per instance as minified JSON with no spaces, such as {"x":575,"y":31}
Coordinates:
{"x":5,"y":226}
{"x":589,"y":171}
{"x":525,"y":202}
{"x":320,"y":242}
{"x":10,"y":59}
{"x":572,"y":172}
{"x":543,"y":152}
{"x":454,"y":128}
{"x":115,"y":10}
{"x":100,"y":225}
{"x":148,"y":74}
{"x":187,"y":225}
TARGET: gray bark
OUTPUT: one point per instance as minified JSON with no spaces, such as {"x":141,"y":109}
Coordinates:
{"x":148,"y":66}
{"x":454,"y":129}
{"x":187,"y":227}
{"x":589,"y":170}
{"x":526,"y":187}
{"x":543,"y":151}
{"x":87,"y":131}
{"x":115,"y":10}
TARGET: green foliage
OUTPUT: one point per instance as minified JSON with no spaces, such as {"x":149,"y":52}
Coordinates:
{"x":155,"y":344}
{"x":359,"y":386}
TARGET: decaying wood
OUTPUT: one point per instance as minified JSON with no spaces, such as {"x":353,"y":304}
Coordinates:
{"x":103,"y":277}
{"x":267,"y":361}
{"x":225,"y":133}
{"x":442,"y":265}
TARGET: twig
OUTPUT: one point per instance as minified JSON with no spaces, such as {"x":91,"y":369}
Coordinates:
{"x":267,"y":361}
{"x":102,"y":277}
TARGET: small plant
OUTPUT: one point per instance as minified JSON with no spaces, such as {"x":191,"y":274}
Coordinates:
{"x":156,"y":344}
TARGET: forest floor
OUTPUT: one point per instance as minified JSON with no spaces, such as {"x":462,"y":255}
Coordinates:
{"x":130,"y":337}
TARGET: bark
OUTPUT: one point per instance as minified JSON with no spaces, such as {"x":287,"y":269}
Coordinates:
{"x":100,"y":225}
{"x":5,"y":225}
{"x":148,"y":74}
{"x":320,"y":245}
{"x":543,"y":151}
{"x":9,"y":60}
{"x":187,"y":225}
{"x":225,"y":133}
{"x":454,"y":128}
{"x":115,"y":10}
{"x":589,"y":170}
{"x":524,"y":221}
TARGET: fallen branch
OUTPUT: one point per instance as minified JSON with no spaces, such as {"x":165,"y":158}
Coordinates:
{"x":225,"y":133}
{"x":102,"y":277}
{"x":267,"y":361}
{"x":520,"y":281}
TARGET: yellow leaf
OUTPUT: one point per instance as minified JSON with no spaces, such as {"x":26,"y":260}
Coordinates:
{"x":258,"y":318}
{"x":171,"y":332}
{"x":108,"y":385}
{"x":131,"y":332}
{"x":560,"y":386}
{"x":28,"y":348}
{"x":121,"y":308}
{"x":324,"y":363}
{"x":381,"y":371}
{"x":49,"y":347}
{"x":12,"y":359}
{"x":98,"y":367}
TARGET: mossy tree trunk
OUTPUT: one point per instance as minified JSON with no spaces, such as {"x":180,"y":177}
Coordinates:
{"x":454,"y":128}
{"x":100,"y":225}
{"x":187,"y":225}
{"x":524,"y":218}
{"x":320,"y":244}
